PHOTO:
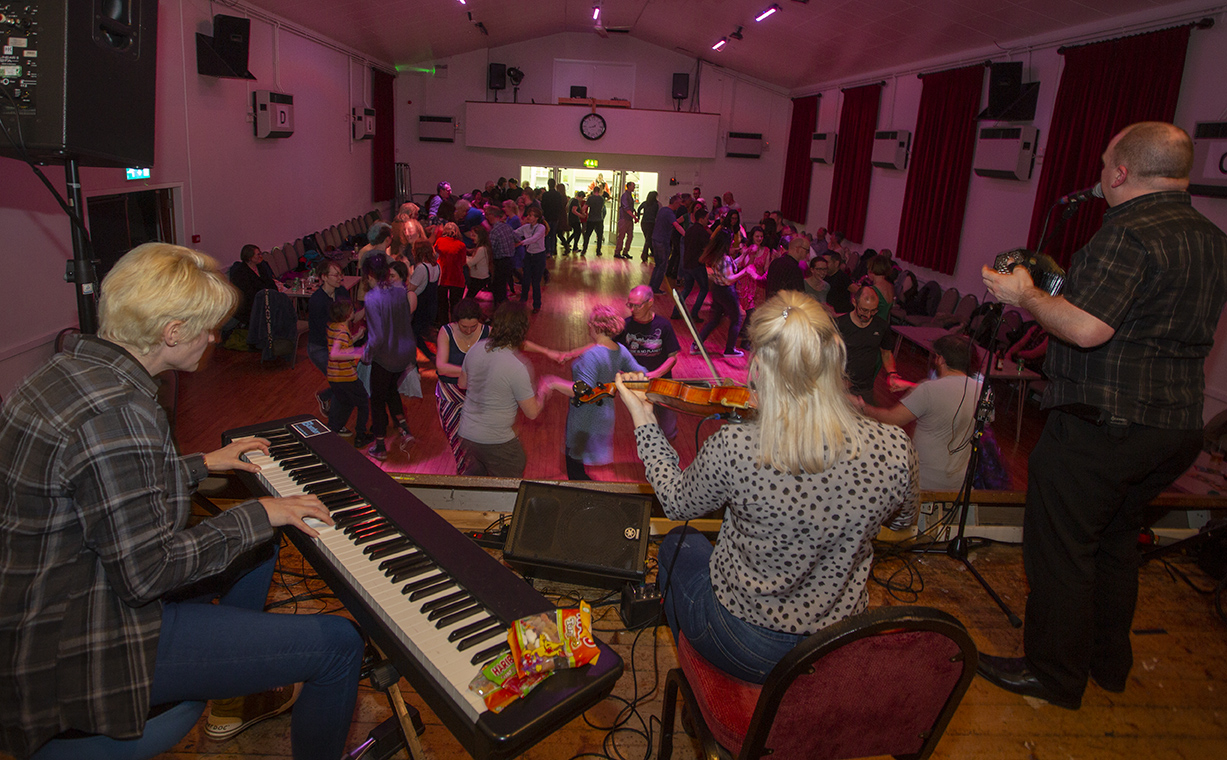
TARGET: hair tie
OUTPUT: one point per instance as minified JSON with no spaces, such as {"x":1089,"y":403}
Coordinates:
{"x":785,"y":312}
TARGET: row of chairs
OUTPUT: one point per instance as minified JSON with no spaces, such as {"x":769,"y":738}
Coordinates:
{"x":285,"y":258}
{"x":932,"y":306}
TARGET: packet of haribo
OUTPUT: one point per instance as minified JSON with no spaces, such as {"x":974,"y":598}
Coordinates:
{"x":553,"y":640}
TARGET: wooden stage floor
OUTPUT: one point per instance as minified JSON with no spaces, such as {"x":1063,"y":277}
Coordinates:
{"x":1175,"y":705}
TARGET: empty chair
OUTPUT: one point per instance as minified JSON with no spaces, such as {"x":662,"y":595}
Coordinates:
{"x":945,"y":306}
{"x":276,"y":262}
{"x":885,"y":682}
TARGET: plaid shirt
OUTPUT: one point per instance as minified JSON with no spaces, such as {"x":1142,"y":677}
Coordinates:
{"x":1156,"y":272}
{"x":503,"y":241}
{"x":93,"y":502}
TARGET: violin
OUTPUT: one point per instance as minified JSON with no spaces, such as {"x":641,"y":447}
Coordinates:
{"x":697,"y":397}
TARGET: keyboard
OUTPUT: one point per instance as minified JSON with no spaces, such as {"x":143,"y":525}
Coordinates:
{"x":436,"y":603}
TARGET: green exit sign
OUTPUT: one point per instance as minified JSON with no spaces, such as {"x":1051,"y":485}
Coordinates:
{"x":590,"y":163}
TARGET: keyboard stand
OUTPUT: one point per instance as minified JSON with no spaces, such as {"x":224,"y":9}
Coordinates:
{"x":401,"y":731}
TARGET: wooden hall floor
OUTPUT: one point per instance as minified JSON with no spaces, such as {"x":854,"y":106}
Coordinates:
{"x":1175,"y":705}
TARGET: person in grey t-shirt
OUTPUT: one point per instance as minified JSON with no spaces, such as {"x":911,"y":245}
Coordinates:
{"x":498,"y":383}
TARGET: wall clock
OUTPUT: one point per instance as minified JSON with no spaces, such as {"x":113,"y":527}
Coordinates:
{"x":592,"y":126}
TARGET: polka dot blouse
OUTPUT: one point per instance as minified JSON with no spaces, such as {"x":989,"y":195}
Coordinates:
{"x":794,"y":550}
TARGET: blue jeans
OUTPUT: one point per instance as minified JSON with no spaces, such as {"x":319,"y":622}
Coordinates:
{"x":319,"y":357}
{"x":534,"y":269}
{"x":660,"y":255}
{"x":218,"y":651}
{"x":723,"y":303}
{"x":741,"y":649}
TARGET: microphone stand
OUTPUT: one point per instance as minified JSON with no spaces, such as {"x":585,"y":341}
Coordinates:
{"x":959,"y":546}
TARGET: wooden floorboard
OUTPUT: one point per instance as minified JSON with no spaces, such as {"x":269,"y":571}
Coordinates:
{"x":1175,"y":705}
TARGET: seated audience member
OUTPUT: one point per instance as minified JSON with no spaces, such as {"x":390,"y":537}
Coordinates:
{"x":785,"y":566}
{"x":104,"y":589}
{"x":348,"y":393}
{"x":869,"y":343}
{"x":250,"y":274}
{"x":379,"y":240}
{"x":440,"y":204}
{"x":590,"y":427}
{"x":944,"y":409}
{"x":839,"y":297}
{"x":498,"y":383}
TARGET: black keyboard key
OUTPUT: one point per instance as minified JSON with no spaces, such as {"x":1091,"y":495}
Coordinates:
{"x":486,"y":655}
{"x":473,"y":628}
{"x":385,"y":548}
{"x":456,"y":617}
{"x":422,"y":583}
{"x":431,"y":589}
{"x":448,"y":609}
{"x":471,"y":641}
{"x":446,"y":600}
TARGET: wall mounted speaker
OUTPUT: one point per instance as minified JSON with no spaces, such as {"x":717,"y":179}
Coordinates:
{"x":82,"y":76}
{"x":681,"y":86}
{"x":496,"y":79}
{"x":577,"y":535}
{"x":224,"y":55}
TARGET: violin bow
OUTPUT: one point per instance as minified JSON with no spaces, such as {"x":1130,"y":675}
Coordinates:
{"x":681,"y":306}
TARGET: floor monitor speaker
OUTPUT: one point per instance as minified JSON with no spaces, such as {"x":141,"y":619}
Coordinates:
{"x":80,"y":74}
{"x":497,"y":78}
{"x":577,"y":535}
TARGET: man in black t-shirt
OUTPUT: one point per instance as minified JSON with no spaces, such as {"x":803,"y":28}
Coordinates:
{"x":650,"y":339}
{"x":839,"y":299}
{"x":868,"y":339}
{"x":785,"y":272}
{"x":692,"y":271}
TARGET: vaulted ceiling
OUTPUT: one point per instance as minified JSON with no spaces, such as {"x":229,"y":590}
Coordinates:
{"x":802,"y":44}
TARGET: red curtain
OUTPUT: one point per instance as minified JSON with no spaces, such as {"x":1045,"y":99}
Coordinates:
{"x":798,"y":169}
{"x":936,"y":195}
{"x":383,"y":157}
{"x":1105,"y":87}
{"x":853,"y":150}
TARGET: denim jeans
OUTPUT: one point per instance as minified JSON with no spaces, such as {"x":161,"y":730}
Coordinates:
{"x":218,"y":651}
{"x":660,"y":255}
{"x":723,"y":303}
{"x":741,"y":649}
{"x":319,"y":357}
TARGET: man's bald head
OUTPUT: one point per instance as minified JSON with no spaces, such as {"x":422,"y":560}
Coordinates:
{"x":641,"y":293}
{"x":1153,"y":150}
{"x":867,"y":297}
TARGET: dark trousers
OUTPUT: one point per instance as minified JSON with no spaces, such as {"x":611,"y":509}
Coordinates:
{"x":502,"y":279}
{"x":599,"y":228}
{"x":346,"y":397}
{"x":1087,"y":486}
{"x":723,"y":303}
{"x":534,"y":270}
{"x":575,"y":469}
{"x":476,"y":286}
{"x":319,"y":357}
{"x":690,"y":278}
{"x":384,"y":398}
{"x":660,"y":255}
{"x":448,"y":296}
{"x":551,"y":241}
{"x":571,"y":237}
{"x":646,"y":228}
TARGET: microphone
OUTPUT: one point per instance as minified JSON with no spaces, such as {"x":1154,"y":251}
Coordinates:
{"x":1082,"y":195}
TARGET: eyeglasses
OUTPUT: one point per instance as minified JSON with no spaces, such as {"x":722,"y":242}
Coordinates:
{"x":633,"y":305}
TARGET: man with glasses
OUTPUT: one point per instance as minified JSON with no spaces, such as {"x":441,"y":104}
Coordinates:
{"x":650,"y":339}
{"x":868,"y":339}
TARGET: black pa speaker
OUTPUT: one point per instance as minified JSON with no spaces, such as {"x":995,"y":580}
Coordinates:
{"x":579,"y":91}
{"x":1009,"y":98}
{"x":82,"y":76}
{"x":497,"y":78}
{"x":224,"y":55}
{"x":576,"y":535}
{"x":681,"y":86}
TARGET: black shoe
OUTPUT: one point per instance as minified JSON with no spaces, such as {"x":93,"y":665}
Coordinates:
{"x":1012,"y":674}
{"x":378,"y":451}
{"x":325,"y":406}
{"x":363,"y":439}
{"x":1108,"y":684}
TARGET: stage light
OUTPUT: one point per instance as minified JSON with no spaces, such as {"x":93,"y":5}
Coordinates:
{"x":596,"y":11}
{"x":767,"y":12}
{"x":720,"y":45}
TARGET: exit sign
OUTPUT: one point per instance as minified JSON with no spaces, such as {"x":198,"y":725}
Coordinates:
{"x":590,"y":163}
{"x":138,"y":173}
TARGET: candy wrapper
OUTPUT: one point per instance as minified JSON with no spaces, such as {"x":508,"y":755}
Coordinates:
{"x":553,"y":640}
{"x":499,"y":685}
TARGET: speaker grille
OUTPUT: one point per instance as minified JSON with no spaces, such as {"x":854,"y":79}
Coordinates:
{"x":579,"y":535}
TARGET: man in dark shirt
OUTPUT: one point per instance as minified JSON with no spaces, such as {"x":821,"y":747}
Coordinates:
{"x":553,"y":203}
{"x":868,"y":340}
{"x":839,"y":299}
{"x":596,"y":221}
{"x":502,"y":251}
{"x":692,"y":271}
{"x":1128,"y":342}
{"x":651,"y":340}
{"x":666,"y":224}
{"x":785,"y":272}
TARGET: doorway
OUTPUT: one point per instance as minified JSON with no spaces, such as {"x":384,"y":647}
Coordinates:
{"x":118,"y":223}
{"x":613,"y":182}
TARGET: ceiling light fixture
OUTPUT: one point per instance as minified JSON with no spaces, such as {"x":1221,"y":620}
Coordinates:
{"x":767,"y":12}
{"x":596,"y":11}
{"x":720,"y":45}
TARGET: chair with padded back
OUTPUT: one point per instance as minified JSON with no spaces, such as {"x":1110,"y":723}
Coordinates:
{"x":276,"y":262}
{"x":885,"y":682}
{"x":942,"y":314}
{"x":906,"y":288}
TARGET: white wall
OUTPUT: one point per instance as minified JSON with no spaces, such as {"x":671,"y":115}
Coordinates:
{"x":232,"y":188}
{"x":998,"y":212}
{"x":743,"y":105}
